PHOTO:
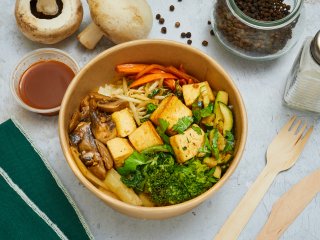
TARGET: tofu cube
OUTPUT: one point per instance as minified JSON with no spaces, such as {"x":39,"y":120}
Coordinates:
{"x":173,"y":111}
{"x":192,"y":91}
{"x":186,"y":145}
{"x":124,"y":121}
{"x":145,"y":136}
{"x":120,"y":150}
{"x":155,"y":115}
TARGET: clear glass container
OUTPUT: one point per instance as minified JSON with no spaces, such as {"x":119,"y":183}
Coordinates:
{"x":254,"y":39}
{"x":303,"y":84}
{"x":31,"y":58}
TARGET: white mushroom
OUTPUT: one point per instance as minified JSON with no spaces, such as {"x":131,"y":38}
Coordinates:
{"x":48,"y":21}
{"x":120,"y":21}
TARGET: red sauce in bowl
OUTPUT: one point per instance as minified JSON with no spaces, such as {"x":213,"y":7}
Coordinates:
{"x":44,"y":83}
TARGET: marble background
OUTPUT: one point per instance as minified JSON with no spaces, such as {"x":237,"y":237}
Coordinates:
{"x":261,"y":85}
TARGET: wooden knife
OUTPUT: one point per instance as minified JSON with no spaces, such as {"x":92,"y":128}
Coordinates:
{"x":289,"y":206}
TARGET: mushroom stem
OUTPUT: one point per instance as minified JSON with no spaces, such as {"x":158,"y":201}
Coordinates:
{"x":47,"y":7}
{"x":90,"y":36}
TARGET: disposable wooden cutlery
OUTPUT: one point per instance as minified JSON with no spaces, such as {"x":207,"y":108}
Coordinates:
{"x":281,"y":155}
{"x":289,"y":206}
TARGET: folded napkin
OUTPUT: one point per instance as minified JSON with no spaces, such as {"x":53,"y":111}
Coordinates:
{"x":33,"y":202}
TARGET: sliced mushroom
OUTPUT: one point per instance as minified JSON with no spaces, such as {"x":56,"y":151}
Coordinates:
{"x":48,"y":21}
{"x":103,"y":128}
{"x":98,"y":167}
{"x":105,"y":154}
{"x":120,"y":21}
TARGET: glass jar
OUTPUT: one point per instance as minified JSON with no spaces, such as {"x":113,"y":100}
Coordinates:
{"x":255,"y":39}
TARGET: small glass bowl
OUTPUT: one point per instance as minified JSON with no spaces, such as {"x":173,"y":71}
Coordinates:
{"x":31,"y":58}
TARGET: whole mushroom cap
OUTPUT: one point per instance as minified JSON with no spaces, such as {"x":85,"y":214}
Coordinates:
{"x":49,"y":31}
{"x":122,"y":20}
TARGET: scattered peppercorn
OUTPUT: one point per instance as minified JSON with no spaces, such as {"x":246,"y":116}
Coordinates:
{"x":161,"y":20}
{"x":177,"y":24}
{"x":179,"y":0}
{"x":158,"y":16}
{"x":209,"y":22}
{"x":171,"y":8}
{"x":188,"y":35}
{"x":189,"y":41}
{"x":205,"y":43}
{"x":211,"y":32}
{"x":164,"y":30}
{"x":183,"y":34}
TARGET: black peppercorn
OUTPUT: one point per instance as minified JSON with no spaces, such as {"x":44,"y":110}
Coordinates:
{"x":189,"y":41}
{"x":211,"y":32}
{"x":205,"y":43}
{"x":164,"y":30}
{"x":188,"y":35}
{"x":209,"y":22}
{"x":171,"y":8}
{"x":161,"y":20}
{"x":158,"y":16}
{"x":183,"y":34}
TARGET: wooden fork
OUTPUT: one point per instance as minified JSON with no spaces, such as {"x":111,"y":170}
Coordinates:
{"x":282,"y":154}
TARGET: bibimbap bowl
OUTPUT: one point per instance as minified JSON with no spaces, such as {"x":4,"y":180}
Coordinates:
{"x":97,"y":72}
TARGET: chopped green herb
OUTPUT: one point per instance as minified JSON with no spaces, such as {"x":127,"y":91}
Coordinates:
{"x":184,"y":148}
{"x":182,"y":124}
{"x":229,"y":142}
{"x":151,"y":108}
{"x":153,"y":93}
{"x":205,"y":112}
{"x":214,"y":143}
{"x":206,"y":148}
{"x":162,"y":128}
{"x":196,"y":129}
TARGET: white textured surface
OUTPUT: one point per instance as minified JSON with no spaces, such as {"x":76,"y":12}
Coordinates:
{"x":261,"y":85}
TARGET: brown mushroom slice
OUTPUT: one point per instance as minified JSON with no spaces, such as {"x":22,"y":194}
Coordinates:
{"x":105,"y":154}
{"x":75,"y":120}
{"x":120,"y":21}
{"x":103,"y":128}
{"x":51,"y":24}
{"x":98,"y":168}
{"x":112,"y":106}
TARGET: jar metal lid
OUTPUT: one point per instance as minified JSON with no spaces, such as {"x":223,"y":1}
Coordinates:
{"x":315,"y":48}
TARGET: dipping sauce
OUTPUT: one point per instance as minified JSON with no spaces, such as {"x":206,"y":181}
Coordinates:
{"x":44,"y":83}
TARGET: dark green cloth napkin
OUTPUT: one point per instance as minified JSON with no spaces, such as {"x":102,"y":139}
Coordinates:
{"x":33,"y":202}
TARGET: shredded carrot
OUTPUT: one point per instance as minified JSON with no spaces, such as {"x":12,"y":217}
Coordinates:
{"x":149,"y":68}
{"x":129,"y":68}
{"x":182,"y":82}
{"x":170,"y":83}
{"x":150,"y":78}
{"x":179,"y":74}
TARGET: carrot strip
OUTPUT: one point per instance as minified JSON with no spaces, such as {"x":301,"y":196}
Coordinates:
{"x":149,"y":68}
{"x":150,"y":78}
{"x":179,"y":74}
{"x":182,"y":82}
{"x":134,"y":68}
{"x":170,"y":83}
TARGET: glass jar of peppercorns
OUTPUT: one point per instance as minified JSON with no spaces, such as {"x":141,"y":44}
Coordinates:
{"x":258,"y":29}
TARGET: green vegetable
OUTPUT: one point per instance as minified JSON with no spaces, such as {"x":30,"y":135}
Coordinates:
{"x":196,"y":129}
{"x":151,"y":108}
{"x":167,"y":182}
{"x":229,"y":142}
{"x":182,"y":124}
{"x":131,"y":163}
{"x":214,"y":136}
{"x":153,"y":93}
{"x":206,"y":148}
{"x":158,"y":148}
{"x":162,"y":128}
{"x":207,"y":111}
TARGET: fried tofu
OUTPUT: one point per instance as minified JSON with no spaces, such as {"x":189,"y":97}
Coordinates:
{"x":120,"y":150}
{"x":124,"y":121}
{"x":192,"y":91}
{"x":186,"y":145}
{"x":145,"y":136}
{"x":173,"y":110}
{"x":155,"y":115}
